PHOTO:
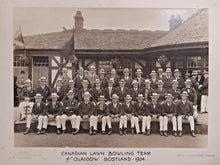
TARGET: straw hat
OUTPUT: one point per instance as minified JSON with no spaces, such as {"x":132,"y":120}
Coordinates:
{"x":54,"y":95}
{"x":115,"y":96}
{"x":184,"y":93}
{"x":174,"y":82}
{"x":85,"y":82}
{"x":138,"y":71}
{"x":28,"y":81}
{"x":86,"y":94}
{"x":122,"y":81}
{"x":153,"y":72}
{"x":70,"y":92}
{"x":140,"y":96}
{"x":188,"y":81}
{"x":169,"y":95}
{"x":159,"y":82}
{"x":147,"y":81}
{"x":43,"y":79}
{"x":38,"y":96}
{"x":128,"y":97}
{"x":155,"y":95}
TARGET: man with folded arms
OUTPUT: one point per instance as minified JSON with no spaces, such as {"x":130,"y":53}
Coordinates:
{"x":87,"y":112}
{"x":114,"y":111}
{"x":153,"y":112}
{"x":169,"y":113}
{"x":55,"y":110}
{"x":185,"y":112}
{"x":70,"y":112}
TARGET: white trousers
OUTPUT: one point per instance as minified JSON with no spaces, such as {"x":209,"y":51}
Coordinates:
{"x":165,"y":122}
{"x":42,"y":121}
{"x":106,"y":120}
{"x":147,"y":122}
{"x":57,"y":119}
{"x":204,"y":103}
{"x":75,"y":121}
{"x":135,"y":123}
{"x":93,"y":120}
{"x":124,"y":121}
{"x":180,"y":121}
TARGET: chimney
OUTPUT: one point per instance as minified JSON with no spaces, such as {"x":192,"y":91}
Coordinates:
{"x":79,"y":21}
{"x":175,"y":22}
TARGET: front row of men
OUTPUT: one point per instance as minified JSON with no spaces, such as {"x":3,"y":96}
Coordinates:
{"x":107,"y":113}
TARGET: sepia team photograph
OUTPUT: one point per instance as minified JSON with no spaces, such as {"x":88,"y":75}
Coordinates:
{"x":114,"y":77}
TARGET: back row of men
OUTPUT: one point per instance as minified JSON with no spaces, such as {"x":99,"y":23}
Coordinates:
{"x":159,"y":82}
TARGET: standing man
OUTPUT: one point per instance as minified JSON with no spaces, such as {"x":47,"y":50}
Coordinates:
{"x":140,"y":109}
{"x":39,"y":112}
{"x":178,"y":78}
{"x":139,"y":78}
{"x":160,"y":75}
{"x":55,"y":110}
{"x":85,"y":88}
{"x":87,"y":112}
{"x":71,"y":112}
{"x":154,"y":112}
{"x":175,"y":91}
{"x":195,"y":85}
{"x":65,"y":78}
{"x":71,"y":86}
{"x":122,"y":91}
{"x":114,"y":111}
{"x":59,"y":89}
{"x":44,"y":90}
{"x":92,"y":76}
{"x":28,"y":91}
{"x":97,"y":90}
{"x":169,"y":113}
{"x":168,"y":79}
{"x":127,"y":78}
{"x":204,"y":92}
{"x":115,"y":78}
{"x":110,"y":90}
{"x":147,"y":90}
{"x":185,"y":112}
{"x":135,"y":90}
{"x":160,"y":91}
{"x":103,"y":79}
{"x":153,"y":79}
{"x":79,"y":78}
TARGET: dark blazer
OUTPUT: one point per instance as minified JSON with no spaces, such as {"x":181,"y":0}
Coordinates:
{"x":104,"y":82}
{"x":128,"y":82}
{"x":92,"y":80}
{"x":192,"y":94}
{"x":140,"y":110}
{"x":28,"y":93}
{"x":150,"y":92}
{"x":108,"y":95}
{"x":86,"y":109}
{"x":75,"y":90}
{"x":204,"y":88}
{"x":96,"y":93}
{"x":57,"y":110}
{"x":116,"y":81}
{"x":141,"y":83}
{"x":168,"y":109}
{"x":153,"y":83}
{"x":167,"y":82}
{"x":78,"y":82}
{"x":162,"y":93}
{"x":41,"y":110}
{"x":46,"y":93}
{"x":180,"y":80}
{"x":61,"y":93}
{"x":154,"y":111}
{"x":126,"y":109}
{"x":114,"y":110}
{"x":121,"y":94}
{"x":81,"y":92}
{"x":194,"y":83}
{"x":175,"y":93}
{"x":184,"y":109}
{"x":134,"y":93}
{"x":99,"y":111}
{"x":71,"y":107}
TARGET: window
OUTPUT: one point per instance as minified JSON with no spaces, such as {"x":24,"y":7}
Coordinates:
{"x":20,"y":60}
{"x":40,"y":61}
{"x":179,"y":62}
{"x":194,"y":61}
{"x":206,"y":61}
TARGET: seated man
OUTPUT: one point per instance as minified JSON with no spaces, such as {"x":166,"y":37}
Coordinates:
{"x":185,"y":112}
{"x":25,"y":109}
{"x":140,"y":108}
{"x":169,"y":113}
{"x":55,"y":110}
{"x":153,"y":112}
{"x":70,"y":112}
{"x":40,"y":113}
{"x":87,"y":111}
{"x":127,"y":112}
{"x":114,"y":111}
{"x":101,"y":112}
{"x":28,"y":91}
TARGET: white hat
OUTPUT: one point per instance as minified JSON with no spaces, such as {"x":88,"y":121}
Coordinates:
{"x":169,"y":95}
{"x":28,"y":81}
{"x":184,"y":93}
{"x":138,"y":71}
{"x":70,"y":92}
{"x":168,"y":70}
{"x":154,"y":95}
{"x":54,"y":95}
{"x":38,"y":96}
{"x":147,"y":81}
{"x":128,"y":97}
{"x":140,"y":96}
{"x":85,"y":82}
{"x":115,"y":96}
{"x":188,"y":81}
{"x":86,"y":94}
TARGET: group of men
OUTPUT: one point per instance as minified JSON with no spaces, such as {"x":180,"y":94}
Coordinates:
{"x":162,"y":96}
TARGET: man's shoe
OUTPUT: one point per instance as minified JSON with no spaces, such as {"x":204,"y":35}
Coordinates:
{"x":193,"y":134}
{"x":94,"y":132}
{"x":132,"y":131}
{"x":103,"y":132}
{"x":165,"y":133}
{"x":110,"y":131}
{"x":125,"y":131}
{"x":58,"y":131}
{"x":120,"y":131}
{"x":38,"y":132}
{"x":90,"y":130}
{"x":161,"y":133}
{"x":144,"y":133}
{"x":76,"y":131}
{"x":180,"y":133}
{"x":27,"y":131}
{"x":175,"y":133}
{"x":148,"y":132}
{"x":64,"y":131}
{"x":43,"y":131}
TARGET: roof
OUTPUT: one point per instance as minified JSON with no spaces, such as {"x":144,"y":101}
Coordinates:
{"x":194,"y":29}
{"x":95,"y":39}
